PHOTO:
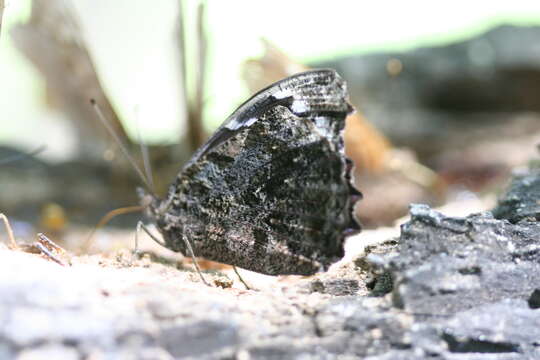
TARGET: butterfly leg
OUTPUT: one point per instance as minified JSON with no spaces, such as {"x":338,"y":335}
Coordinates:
{"x":240,"y":278}
{"x":11,"y":237}
{"x":192,"y":254}
{"x":141,"y":226}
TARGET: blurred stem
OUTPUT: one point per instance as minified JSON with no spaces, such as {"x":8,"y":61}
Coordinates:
{"x":194,"y":95}
{"x":182,"y":50}
{"x":198,"y":105}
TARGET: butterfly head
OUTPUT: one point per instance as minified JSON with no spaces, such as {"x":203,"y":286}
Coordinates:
{"x":155,"y":208}
{"x":151,"y":204}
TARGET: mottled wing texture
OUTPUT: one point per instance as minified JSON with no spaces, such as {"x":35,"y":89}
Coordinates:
{"x":270,"y":191}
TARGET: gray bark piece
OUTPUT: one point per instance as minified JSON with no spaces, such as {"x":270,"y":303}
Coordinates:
{"x":522,"y":201}
{"x":451,"y":264}
{"x":508,"y":326}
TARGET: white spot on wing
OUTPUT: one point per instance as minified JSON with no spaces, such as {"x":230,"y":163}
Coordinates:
{"x":250,"y":121}
{"x":299,"y":106}
{"x":235,"y":124}
{"x":282,"y":94}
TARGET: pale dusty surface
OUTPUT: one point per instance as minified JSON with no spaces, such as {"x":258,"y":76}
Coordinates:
{"x":443,"y":304}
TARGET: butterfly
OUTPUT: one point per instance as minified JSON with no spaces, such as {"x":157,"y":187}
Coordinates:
{"x":270,"y":191}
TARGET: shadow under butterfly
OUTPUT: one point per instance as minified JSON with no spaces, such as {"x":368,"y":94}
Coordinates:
{"x":271,"y":190}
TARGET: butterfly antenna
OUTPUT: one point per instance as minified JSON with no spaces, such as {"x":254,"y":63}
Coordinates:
{"x":146,"y":158}
{"x":104,"y":220}
{"x":122,"y":146}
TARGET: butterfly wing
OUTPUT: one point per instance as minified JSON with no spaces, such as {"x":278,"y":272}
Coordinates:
{"x":270,"y":191}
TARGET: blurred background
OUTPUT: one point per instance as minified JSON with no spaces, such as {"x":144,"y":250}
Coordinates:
{"x":447,"y":95}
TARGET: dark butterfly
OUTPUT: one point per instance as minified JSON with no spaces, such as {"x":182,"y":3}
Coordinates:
{"x":271,"y":190}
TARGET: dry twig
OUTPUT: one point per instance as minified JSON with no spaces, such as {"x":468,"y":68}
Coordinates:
{"x":43,"y":245}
